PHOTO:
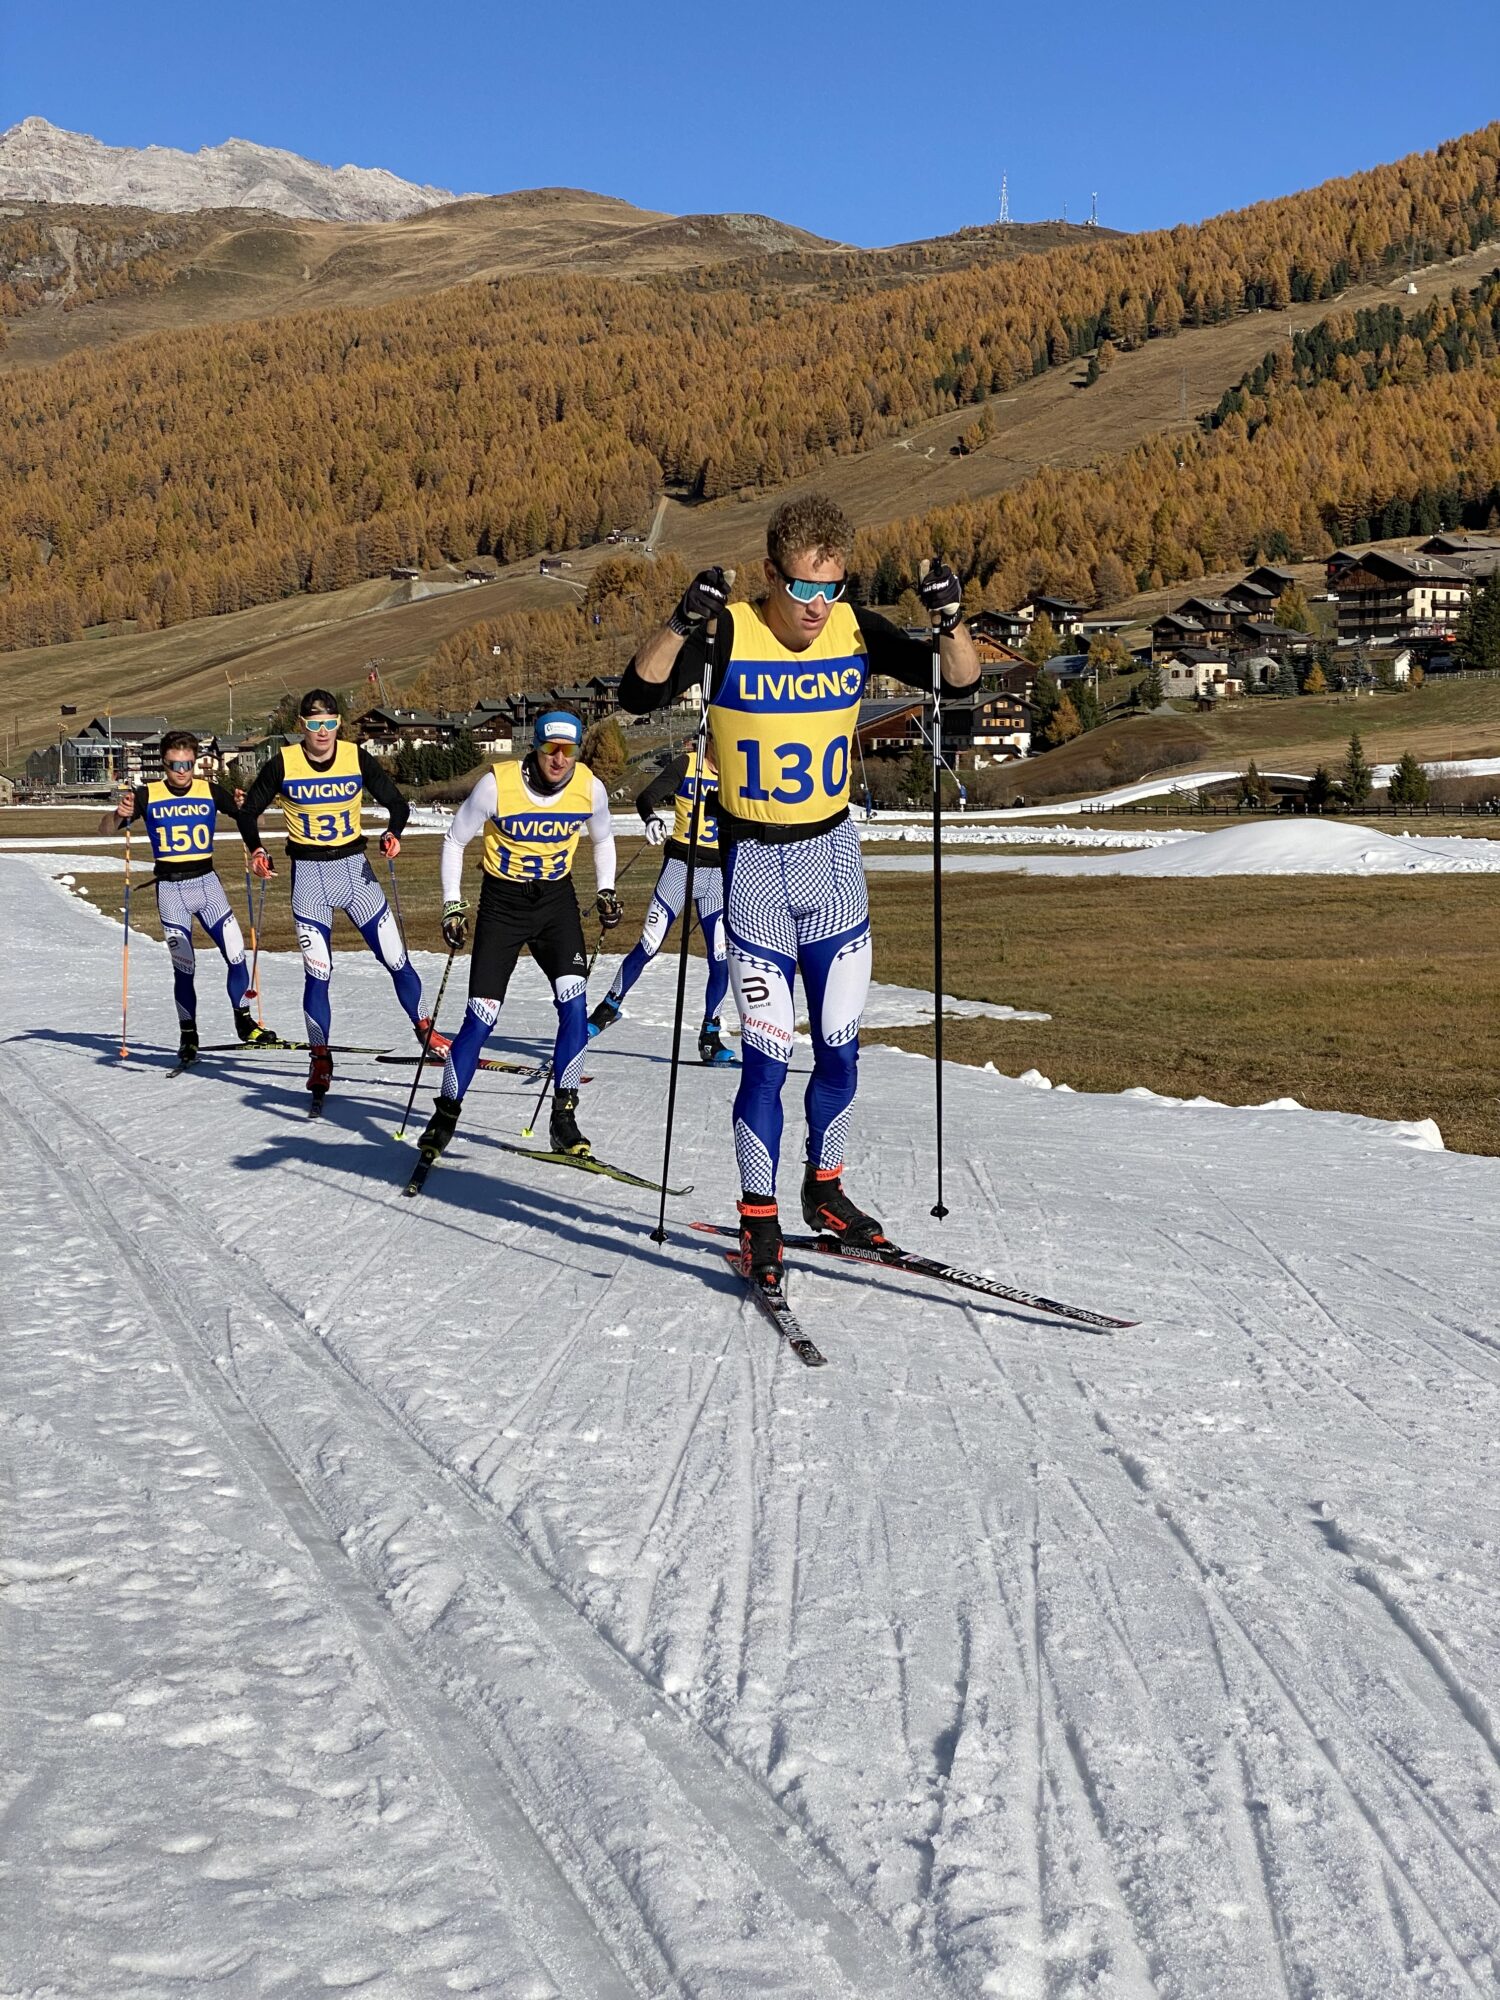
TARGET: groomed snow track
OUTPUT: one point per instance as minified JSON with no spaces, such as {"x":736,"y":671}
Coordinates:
{"x":466,"y":1596}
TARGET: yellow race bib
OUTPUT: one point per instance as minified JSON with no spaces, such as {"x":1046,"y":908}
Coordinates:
{"x":320,"y":807}
{"x":783,"y":722}
{"x":526,"y":842}
{"x":180,"y":825}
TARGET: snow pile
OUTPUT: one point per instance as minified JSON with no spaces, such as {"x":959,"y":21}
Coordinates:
{"x":1281,"y":846}
{"x":967,"y":833}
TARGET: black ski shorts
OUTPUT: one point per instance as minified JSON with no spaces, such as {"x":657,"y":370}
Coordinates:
{"x":540,"y":917}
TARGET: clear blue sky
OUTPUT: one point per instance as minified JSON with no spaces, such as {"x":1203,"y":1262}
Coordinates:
{"x":870,"y":124}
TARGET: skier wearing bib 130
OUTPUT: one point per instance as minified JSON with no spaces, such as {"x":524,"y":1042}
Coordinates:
{"x":785,"y":683}
{"x":532,"y":815}
{"x":180,"y":811}
{"x":678,"y":785}
{"x":318,"y":784}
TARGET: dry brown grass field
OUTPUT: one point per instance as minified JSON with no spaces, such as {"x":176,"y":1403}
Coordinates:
{"x":1347,"y":994}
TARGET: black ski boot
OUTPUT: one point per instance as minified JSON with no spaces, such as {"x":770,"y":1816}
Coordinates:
{"x":252,"y":1036}
{"x":563,"y":1128}
{"x":440,"y":1126}
{"x":604,"y":1016}
{"x":760,"y":1241}
{"x":187,"y":1044}
{"x":319,"y":1072}
{"x":826,"y":1208}
{"x":711,"y":1048}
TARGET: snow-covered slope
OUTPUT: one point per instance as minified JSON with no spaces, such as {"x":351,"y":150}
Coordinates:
{"x":470,"y":1596}
{"x":40,"y":162}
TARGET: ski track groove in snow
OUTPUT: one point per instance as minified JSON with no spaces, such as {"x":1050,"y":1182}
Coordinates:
{"x":1220,"y":1611}
{"x":496,"y":1824}
{"x":721,"y":1793}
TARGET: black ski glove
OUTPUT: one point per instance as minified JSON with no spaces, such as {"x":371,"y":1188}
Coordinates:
{"x":610,"y":910}
{"x":455,"y":926}
{"x":707,"y":594}
{"x":942,"y":597}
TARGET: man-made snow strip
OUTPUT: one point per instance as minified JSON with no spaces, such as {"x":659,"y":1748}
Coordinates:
{"x":1274,"y":847}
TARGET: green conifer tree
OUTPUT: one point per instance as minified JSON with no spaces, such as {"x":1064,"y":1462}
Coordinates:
{"x":1356,"y":779}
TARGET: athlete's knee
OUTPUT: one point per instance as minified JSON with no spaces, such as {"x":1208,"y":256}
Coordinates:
{"x":316,"y":948}
{"x":763,"y":994}
{"x":180,"y":950}
{"x":230,"y":940}
{"x":384,"y":938}
{"x":654,"y":930}
{"x":845,"y":988}
{"x":569,"y":992}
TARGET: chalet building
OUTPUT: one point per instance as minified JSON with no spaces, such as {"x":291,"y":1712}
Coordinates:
{"x":1250,"y":600}
{"x":1283,"y":642}
{"x":1267,"y":577}
{"x":1172,"y":631}
{"x":1003,"y":629}
{"x":1000,"y":727}
{"x":1214,"y":618}
{"x":1066,"y":616}
{"x":1393,"y":598}
{"x":1016,"y":677}
{"x":1476,"y":555}
{"x":1195,"y":674}
{"x":1066,"y":668}
{"x":1338,"y":563}
{"x":491,"y":727}
{"x":385,"y":729}
{"x":114,"y":750}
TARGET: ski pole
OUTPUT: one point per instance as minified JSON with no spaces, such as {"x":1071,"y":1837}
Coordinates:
{"x":254,"y":989}
{"x":125,"y":966}
{"x":427,"y":1038}
{"x":257,"y":925}
{"x":659,"y":1233}
{"x":396,"y":902}
{"x":938,"y":1208}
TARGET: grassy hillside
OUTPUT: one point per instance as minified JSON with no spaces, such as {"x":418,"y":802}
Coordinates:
{"x":78,"y":278}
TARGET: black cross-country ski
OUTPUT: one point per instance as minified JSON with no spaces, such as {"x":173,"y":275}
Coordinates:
{"x":585,"y":1163}
{"x":178,"y":1067}
{"x":270,"y":1048}
{"x":773,"y":1303}
{"x":528,"y":1072}
{"x":426,"y":1160}
{"x":315,"y":1103}
{"x":917,"y":1266}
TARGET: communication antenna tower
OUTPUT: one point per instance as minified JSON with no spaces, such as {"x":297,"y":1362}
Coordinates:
{"x":1004,"y":199}
{"x":1093,"y":211}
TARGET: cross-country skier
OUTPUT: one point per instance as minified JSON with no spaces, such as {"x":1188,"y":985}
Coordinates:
{"x":532,"y":815}
{"x":786,"y":679}
{"x":678,"y":783}
{"x":319,"y":783}
{"x":180,"y":812}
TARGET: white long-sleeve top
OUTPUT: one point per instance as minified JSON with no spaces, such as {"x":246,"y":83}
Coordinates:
{"x":482,"y":804}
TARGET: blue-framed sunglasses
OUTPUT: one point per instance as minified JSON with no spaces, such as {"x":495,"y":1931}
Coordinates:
{"x":806,"y":592}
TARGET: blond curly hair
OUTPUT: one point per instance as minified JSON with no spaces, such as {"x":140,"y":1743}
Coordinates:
{"x":810,"y":522}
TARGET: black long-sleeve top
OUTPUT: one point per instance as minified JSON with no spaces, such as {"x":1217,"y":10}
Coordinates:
{"x":267,"y":788}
